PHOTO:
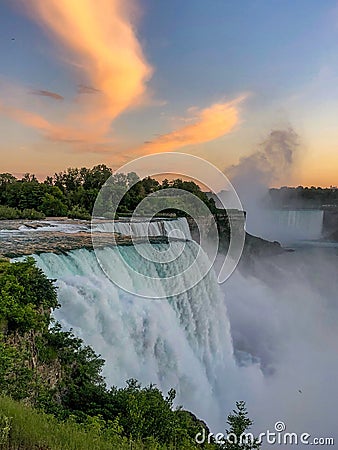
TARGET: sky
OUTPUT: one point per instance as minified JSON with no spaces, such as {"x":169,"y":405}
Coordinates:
{"x":84,"y":82}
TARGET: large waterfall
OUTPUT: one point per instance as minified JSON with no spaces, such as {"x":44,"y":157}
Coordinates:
{"x":182,"y":342}
{"x":283,"y":323}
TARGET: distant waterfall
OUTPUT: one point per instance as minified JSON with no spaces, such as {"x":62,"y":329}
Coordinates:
{"x":299,"y":224}
{"x":182,"y":342}
{"x":178,"y":228}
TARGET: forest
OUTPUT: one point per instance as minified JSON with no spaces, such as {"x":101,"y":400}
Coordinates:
{"x":73,"y":192}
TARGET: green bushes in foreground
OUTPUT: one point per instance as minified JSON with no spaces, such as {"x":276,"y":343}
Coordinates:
{"x":25,"y":428}
{"x":9,"y":213}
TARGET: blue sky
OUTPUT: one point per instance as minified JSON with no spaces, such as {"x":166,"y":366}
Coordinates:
{"x":281,"y":54}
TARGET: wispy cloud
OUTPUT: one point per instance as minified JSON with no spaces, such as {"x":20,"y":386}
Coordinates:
{"x":205,"y":125}
{"x":49,"y":94}
{"x":26,"y":118}
{"x":82,"y":89}
{"x":98,"y":40}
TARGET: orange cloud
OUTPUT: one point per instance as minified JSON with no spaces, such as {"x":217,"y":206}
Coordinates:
{"x":208,"y":124}
{"x":26,"y":118}
{"x":98,"y":40}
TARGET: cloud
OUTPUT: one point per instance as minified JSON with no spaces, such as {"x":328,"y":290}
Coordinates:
{"x":82,"y":89}
{"x":97,"y":39}
{"x":50,"y":94}
{"x":206,"y":125}
{"x":26,"y":118}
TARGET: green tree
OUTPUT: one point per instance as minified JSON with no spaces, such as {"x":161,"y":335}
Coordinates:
{"x":26,"y":296}
{"x":239,"y":436}
{"x":52,"y":206}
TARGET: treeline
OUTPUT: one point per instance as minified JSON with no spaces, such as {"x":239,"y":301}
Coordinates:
{"x":303,"y":197}
{"x":73,"y":193}
{"x":54,"y":373}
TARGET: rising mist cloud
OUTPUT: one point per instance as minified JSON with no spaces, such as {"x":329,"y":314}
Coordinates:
{"x":207,"y":124}
{"x":97,"y":40}
{"x":273,"y":159}
{"x":273,"y":162}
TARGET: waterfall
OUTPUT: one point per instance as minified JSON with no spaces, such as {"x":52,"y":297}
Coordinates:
{"x":182,"y":342}
{"x":299,"y":224}
{"x":177,"y":228}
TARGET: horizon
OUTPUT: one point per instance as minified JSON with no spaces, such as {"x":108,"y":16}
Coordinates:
{"x":41,"y":178}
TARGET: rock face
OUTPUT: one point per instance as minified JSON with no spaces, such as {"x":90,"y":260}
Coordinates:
{"x":58,"y":242}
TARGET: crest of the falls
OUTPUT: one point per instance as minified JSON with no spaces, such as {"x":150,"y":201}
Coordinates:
{"x":177,"y":228}
{"x":182,"y":342}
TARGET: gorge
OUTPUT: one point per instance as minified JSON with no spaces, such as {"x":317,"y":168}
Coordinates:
{"x":258,"y":336}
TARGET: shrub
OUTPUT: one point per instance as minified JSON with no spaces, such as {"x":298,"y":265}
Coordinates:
{"x":9,"y":213}
{"x":77,"y":212}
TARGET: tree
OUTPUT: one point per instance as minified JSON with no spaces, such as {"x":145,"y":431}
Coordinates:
{"x":26,"y":296}
{"x":52,"y":206}
{"x":239,"y":437}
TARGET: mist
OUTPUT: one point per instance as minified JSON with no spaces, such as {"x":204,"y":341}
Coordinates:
{"x":273,"y":161}
{"x":283,"y":311}
{"x":284,"y":322}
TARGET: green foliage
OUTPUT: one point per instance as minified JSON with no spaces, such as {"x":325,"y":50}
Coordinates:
{"x":240,"y":424}
{"x":75,"y":191}
{"x":32,"y":214}
{"x":302,"y":197}
{"x":79,"y":212}
{"x":5,"y":427}
{"x":25,"y":428}
{"x":16,"y":378}
{"x":9,"y":213}
{"x":52,"y":206}
{"x":26,"y":296}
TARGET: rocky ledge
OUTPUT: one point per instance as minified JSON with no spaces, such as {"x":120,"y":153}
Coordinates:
{"x":58,"y":242}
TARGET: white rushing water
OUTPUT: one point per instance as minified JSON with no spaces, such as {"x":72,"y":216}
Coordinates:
{"x":301,"y":224}
{"x":177,"y":228}
{"x":286,"y":226}
{"x":182,"y":342}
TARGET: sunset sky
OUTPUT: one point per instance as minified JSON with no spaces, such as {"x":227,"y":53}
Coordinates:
{"x":84,"y":82}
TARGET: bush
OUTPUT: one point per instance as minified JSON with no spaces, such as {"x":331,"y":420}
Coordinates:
{"x":77,"y":212}
{"x":32,"y":214}
{"x":26,"y":296}
{"x":25,"y":428}
{"x":52,"y":206}
{"x":9,"y":213}
{"x":6,"y":212}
